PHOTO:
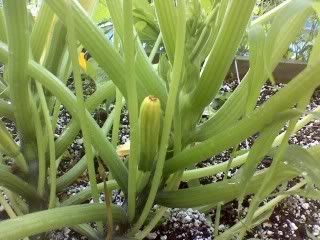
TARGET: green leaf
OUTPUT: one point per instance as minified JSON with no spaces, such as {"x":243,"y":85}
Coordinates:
{"x":166,"y":15}
{"x":256,"y":38}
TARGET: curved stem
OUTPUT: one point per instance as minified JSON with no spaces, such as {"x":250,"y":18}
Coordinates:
{"x":41,"y":150}
{"x":155,"y":48}
{"x":80,"y":105}
{"x":17,"y":185}
{"x":52,"y":152}
{"x":16,"y":16}
{"x":104,"y":92}
{"x":270,"y":14}
{"x":51,"y":219}
{"x":131,"y":87}
{"x":10,"y":147}
{"x":86,"y":193}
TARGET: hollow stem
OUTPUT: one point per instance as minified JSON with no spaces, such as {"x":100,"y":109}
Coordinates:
{"x":131,"y":87}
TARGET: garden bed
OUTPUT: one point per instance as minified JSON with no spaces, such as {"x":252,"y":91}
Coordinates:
{"x":293,"y":218}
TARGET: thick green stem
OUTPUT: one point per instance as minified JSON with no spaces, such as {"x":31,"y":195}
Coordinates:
{"x":41,"y":31}
{"x":56,"y":48}
{"x":56,"y":218}
{"x":16,"y":16}
{"x":225,"y":191}
{"x":17,"y":185}
{"x":41,"y":147}
{"x":128,"y":48}
{"x":86,"y":193}
{"x":52,"y":152}
{"x":6,"y":205}
{"x":87,"y":137}
{"x":265,"y":18}
{"x":166,"y":15}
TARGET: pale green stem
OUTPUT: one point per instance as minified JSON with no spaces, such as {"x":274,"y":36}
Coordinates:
{"x":217,"y":220}
{"x":52,"y":152}
{"x":116,"y":120}
{"x":155,"y":48}
{"x":9,"y":147}
{"x":40,"y":31}
{"x":18,"y":205}
{"x":131,"y":87}
{"x":41,"y":142}
{"x":18,"y":45}
{"x":86,"y":193}
{"x":239,"y":160}
{"x":55,"y":218}
{"x":265,"y":18}
{"x":118,"y":105}
{"x":17,"y":185}
{"x":87,"y":137}
{"x":205,"y":33}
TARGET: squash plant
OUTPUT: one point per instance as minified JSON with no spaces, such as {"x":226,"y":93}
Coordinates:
{"x":167,"y":59}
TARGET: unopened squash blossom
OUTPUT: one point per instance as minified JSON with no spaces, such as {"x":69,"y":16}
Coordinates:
{"x":150,"y":116}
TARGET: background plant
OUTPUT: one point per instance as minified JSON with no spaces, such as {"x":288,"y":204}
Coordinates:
{"x":198,"y":41}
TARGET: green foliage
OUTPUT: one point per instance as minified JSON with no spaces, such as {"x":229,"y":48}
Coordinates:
{"x":180,"y":53}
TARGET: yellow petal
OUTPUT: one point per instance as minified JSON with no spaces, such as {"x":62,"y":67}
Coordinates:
{"x":83,"y":62}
